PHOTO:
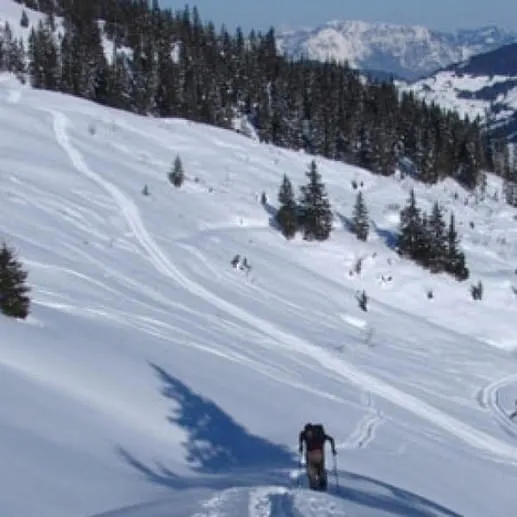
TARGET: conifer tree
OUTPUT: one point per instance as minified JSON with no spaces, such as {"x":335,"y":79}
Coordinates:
{"x":24,"y":22}
{"x":315,"y":209}
{"x":177,"y":175}
{"x":360,"y":224}
{"x":14,"y":299}
{"x":510,"y":178}
{"x":455,"y":263}
{"x":435,"y":233}
{"x":411,"y":232}
{"x":287,"y":215}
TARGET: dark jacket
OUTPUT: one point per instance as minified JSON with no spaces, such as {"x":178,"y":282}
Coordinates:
{"x":315,"y":443}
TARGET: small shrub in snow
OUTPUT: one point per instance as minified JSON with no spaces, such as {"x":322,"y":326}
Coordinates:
{"x":245,"y":266}
{"x":477,"y":291}
{"x":241,"y":263}
{"x":14,"y":299}
{"x":358,"y":266}
{"x":362,"y":300}
{"x":177,"y":175}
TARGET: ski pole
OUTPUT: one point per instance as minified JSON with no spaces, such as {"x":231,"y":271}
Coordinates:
{"x":299,"y":482}
{"x":336,"y":473}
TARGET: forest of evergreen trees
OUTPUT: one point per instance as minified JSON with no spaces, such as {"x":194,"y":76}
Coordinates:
{"x":170,"y":63}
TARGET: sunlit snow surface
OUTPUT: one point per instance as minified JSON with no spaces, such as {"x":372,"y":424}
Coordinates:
{"x":152,"y":370}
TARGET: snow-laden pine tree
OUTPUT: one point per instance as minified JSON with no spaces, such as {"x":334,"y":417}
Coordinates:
{"x":360,"y":223}
{"x":287,"y":215}
{"x":315,"y":209}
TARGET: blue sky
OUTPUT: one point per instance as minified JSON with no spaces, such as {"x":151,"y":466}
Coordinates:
{"x":436,"y":14}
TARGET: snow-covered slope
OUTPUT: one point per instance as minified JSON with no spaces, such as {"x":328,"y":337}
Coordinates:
{"x":11,"y":14}
{"x":151,"y":370}
{"x":484,"y":84}
{"x":405,"y":51}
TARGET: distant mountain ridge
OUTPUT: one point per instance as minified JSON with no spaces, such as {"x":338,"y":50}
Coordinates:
{"x":407,"y":51}
{"x":484,"y":85}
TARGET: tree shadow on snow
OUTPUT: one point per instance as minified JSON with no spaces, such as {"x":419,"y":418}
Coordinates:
{"x":216,"y":443}
{"x":378,"y":495}
{"x":390,"y":237}
{"x":271,"y":211}
{"x":345,"y":221}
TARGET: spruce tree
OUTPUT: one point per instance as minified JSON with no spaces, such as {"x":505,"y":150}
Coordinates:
{"x":411,"y":232}
{"x":455,"y":263}
{"x":435,"y":230}
{"x":24,"y":22}
{"x":177,"y":175}
{"x":315,"y":209}
{"x":360,"y":224}
{"x":510,"y":179}
{"x":287,"y":215}
{"x":14,"y":299}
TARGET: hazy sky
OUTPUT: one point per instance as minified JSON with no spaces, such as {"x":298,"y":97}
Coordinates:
{"x":436,"y":14}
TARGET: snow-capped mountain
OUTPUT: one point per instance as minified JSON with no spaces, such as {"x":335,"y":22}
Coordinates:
{"x":405,"y":51}
{"x":151,"y":369}
{"x":484,"y":85}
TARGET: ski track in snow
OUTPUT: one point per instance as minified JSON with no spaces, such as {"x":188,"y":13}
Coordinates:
{"x":488,"y":398}
{"x":365,"y":429}
{"x":470,"y":435}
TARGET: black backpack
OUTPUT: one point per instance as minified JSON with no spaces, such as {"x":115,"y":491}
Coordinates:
{"x":318,"y":434}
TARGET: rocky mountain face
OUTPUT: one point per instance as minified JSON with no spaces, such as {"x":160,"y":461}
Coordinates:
{"x":407,"y":52}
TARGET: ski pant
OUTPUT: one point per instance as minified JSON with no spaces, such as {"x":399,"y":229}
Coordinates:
{"x":315,"y":465}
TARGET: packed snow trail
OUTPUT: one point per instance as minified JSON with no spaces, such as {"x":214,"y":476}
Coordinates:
{"x":260,"y":501}
{"x":474,"y":437}
{"x":488,"y":398}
